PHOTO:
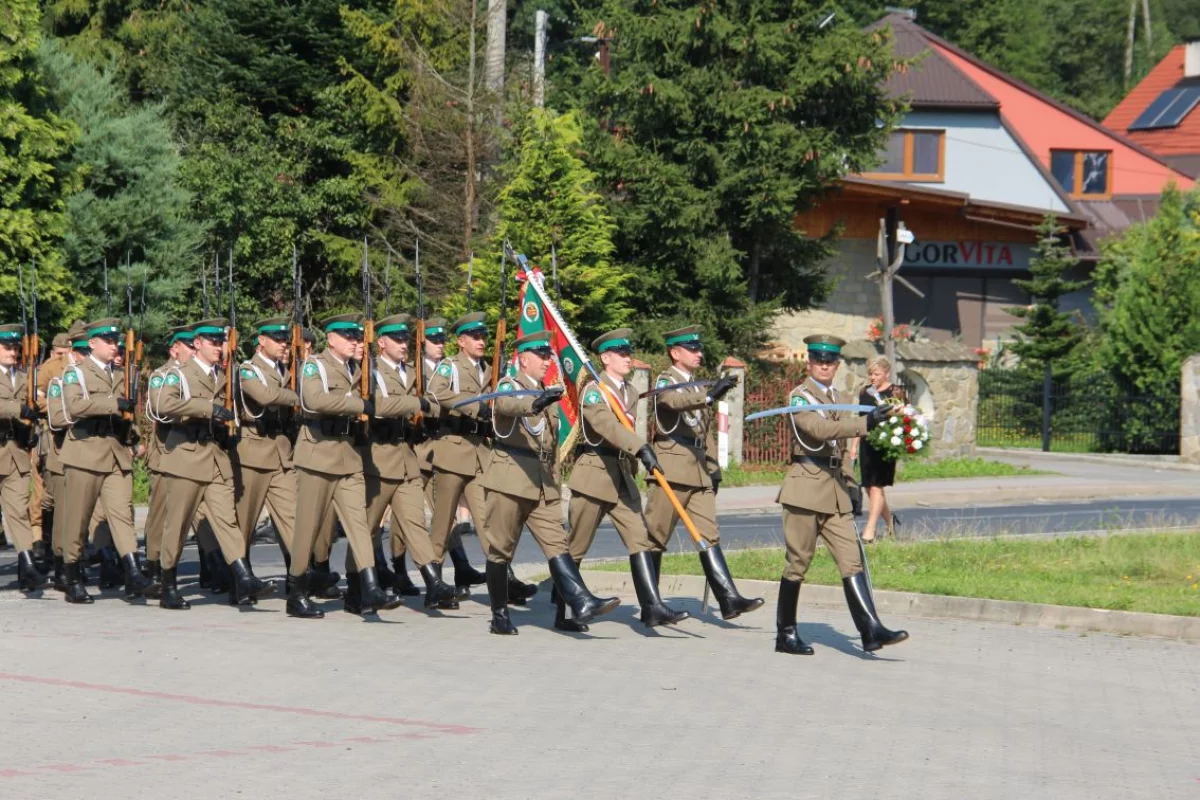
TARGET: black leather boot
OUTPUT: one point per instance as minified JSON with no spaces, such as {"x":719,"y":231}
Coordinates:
{"x":403,"y":584}
{"x":60,"y":575}
{"x":43,"y":551}
{"x":585,"y":606}
{"x":862,"y":610}
{"x":654,"y":611}
{"x":383,"y":567}
{"x":438,"y":594}
{"x":375,"y":598}
{"x":110,"y":568}
{"x":75,"y":593}
{"x":136,"y":584}
{"x":29,"y":579}
{"x":352,"y":597}
{"x":206,"y":576}
{"x":221,"y":577}
{"x":787,"y":640}
{"x":248,"y":586}
{"x":717,"y":571}
{"x":323,"y":582}
{"x":298,"y":603}
{"x":170,"y":597}
{"x":656,"y":558}
{"x":497,"y":584}
{"x":519,"y":592}
{"x":154,"y":573}
{"x":465,"y":575}
{"x":561,"y":621}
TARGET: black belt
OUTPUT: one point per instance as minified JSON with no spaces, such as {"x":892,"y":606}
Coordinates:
{"x":96,"y":426}
{"x":604,"y":452}
{"x":545,"y":456}
{"x":465,"y":426}
{"x":270,"y":427}
{"x":390,"y":431}
{"x":197,"y":433}
{"x":827,"y":462}
{"x":695,"y":442}
{"x":338,"y":426}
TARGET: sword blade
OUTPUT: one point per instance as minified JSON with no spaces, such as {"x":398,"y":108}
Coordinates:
{"x":483,"y":398}
{"x":775,"y":412}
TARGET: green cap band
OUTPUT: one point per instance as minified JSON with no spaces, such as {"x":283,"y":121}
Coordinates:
{"x":435,"y":331}
{"x":387,"y":330}
{"x":208,"y":330}
{"x":6,"y":335}
{"x":684,"y":339}
{"x":181,"y":336}
{"x":343,"y":326}
{"x":273,"y":329}
{"x":527,"y":346}
{"x":825,"y":347}
{"x":79,"y":344}
{"x":469,"y":326}
{"x":609,"y":345}
{"x":103,"y":330}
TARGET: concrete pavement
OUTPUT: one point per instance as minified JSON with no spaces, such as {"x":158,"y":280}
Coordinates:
{"x":112,"y":700}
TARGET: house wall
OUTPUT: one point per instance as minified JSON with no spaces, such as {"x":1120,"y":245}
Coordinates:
{"x":984,"y":161}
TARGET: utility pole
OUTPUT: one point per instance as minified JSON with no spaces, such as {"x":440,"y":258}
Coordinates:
{"x":539,"y":59}
{"x":886,"y":275}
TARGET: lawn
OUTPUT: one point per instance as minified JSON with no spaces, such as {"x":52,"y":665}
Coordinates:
{"x":915,"y":470}
{"x":1156,"y":573}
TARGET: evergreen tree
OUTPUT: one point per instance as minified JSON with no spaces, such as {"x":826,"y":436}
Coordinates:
{"x":34,"y":183}
{"x":1048,"y":335}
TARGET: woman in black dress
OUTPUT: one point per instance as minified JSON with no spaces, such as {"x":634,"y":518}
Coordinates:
{"x":877,"y":471}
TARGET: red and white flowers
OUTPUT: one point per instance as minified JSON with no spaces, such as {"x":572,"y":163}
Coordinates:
{"x":905,"y":434}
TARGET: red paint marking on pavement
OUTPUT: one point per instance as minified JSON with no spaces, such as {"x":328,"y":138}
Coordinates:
{"x":169,"y":757}
{"x":121,"y":762}
{"x":271,"y":748}
{"x":319,"y":744}
{"x":64,"y":767}
{"x":209,"y":701}
{"x":222,"y":753}
{"x":15,"y":773}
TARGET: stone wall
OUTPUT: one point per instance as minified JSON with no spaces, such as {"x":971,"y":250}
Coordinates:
{"x":852,"y":305}
{"x":945,"y":387}
{"x":1189,"y":411}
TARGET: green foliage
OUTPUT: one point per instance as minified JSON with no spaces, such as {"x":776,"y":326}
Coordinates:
{"x":1047,"y":335}
{"x":34,"y":183}
{"x":717,"y":124}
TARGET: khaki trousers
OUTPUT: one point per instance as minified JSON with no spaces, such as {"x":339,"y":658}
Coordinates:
{"x":801,"y":528}
{"x":508,"y":515}
{"x":275,"y":489}
{"x":54,"y":488}
{"x":186,"y":498}
{"x":156,"y":517}
{"x":585,"y":514}
{"x":408,"y":533}
{"x":448,"y":489}
{"x":82,"y":490}
{"x":700,"y":504}
{"x":35,"y":503}
{"x":14,"y":503}
{"x":318,"y":497}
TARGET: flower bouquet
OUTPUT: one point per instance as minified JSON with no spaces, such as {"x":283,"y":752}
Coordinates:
{"x":905,"y":434}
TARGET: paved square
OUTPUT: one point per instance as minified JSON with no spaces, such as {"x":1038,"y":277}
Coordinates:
{"x":116,"y":700}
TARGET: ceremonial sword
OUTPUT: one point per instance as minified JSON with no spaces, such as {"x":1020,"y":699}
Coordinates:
{"x":776,"y":412}
{"x":483,"y":398}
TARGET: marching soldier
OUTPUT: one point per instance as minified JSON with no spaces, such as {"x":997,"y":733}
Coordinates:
{"x":263,"y":454}
{"x":816,"y":502}
{"x":60,"y":349}
{"x":197,"y":470}
{"x":523,"y":489}
{"x":49,"y":443}
{"x":686,"y":445}
{"x":98,"y":466}
{"x":16,"y":431}
{"x":602,"y":480}
{"x":329,"y":467}
{"x":58,"y":422}
{"x":393,"y":477}
{"x":460,"y":452}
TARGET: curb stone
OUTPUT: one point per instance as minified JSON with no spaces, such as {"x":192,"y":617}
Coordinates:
{"x":912,"y":604}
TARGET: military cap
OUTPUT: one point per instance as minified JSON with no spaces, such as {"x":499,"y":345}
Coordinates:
{"x":60,"y":340}
{"x":11,"y":333}
{"x":343,"y":323}
{"x":470,"y":323}
{"x":274,"y":327}
{"x":210,"y":328}
{"x":687,"y":338}
{"x":307,"y":335}
{"x":181,"y":333}
{"x":109,"y":326}
{"x":614,"y":340}
{"x":77,"y":333}
{"x":823,"y":347}
{"x":535,"y":343}
{"x":396,"y":326}
{"x":435,"y":328}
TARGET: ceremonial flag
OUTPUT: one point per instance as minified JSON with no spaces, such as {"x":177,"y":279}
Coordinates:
{"x":566,"y":365}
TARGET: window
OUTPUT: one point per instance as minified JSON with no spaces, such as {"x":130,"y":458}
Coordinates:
{"x":1083,"y":173}
{"x":913,"y":156}
{"x":1168,"y":109}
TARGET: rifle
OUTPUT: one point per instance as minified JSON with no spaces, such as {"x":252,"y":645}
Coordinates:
{"x":366,"y":379}
{"x":231,"y":344}
{"x":502,"y":325}
{"x":297,"y":346}
{"x":129,"y":388}
{"x":387,"y":285}
{"x":107,"y":293}
{"x":204,"y":285}
{"x":29,"y":347}
{"x":554,"y":273}
{"x":470,"y":272}
{"x":419,"y":355}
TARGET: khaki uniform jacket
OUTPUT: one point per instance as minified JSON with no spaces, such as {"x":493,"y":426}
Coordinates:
{"x":158,"y":435}
{"x":93,"y":442}
{"x":685,"y":438}
{"x":526,"y":444}
{"x":13,"y":457}
{"x":267,"y":408}
{"x":186,"y":400}
{"x":54,"y":404}
{"x":458,"y":378}
{"x":602,"y":476}
{"x":330,"y":406}
{"x":432,"y":421}
{"x":390,"y":454}
{"x":817,"y":434}
{"x":50,"y":369}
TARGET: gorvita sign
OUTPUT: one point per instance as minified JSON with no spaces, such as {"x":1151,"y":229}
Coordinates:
{"x":968,"y":254}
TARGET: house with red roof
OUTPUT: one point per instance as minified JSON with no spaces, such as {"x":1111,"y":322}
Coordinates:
{"x":976,"y":164}
{"x":1162,"y":113}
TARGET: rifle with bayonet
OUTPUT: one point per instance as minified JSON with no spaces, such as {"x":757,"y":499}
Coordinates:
{"x":129,"y":388}
{"x":297,"y":344}
{"x":231,"y":347}
{"x":30,"y":352}
{"x":419,"y":343}
{"x":502,"y":325}
{"x":366,"y":378}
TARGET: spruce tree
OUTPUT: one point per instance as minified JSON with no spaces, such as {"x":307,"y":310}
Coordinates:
{"x":1048,"y":335}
